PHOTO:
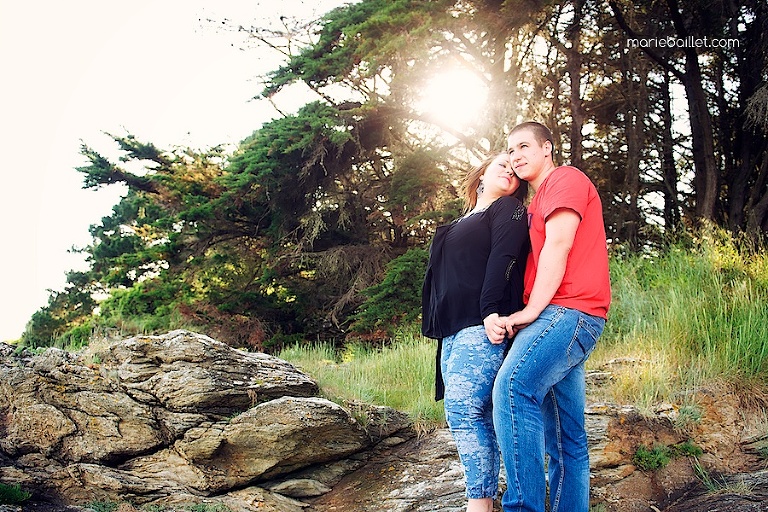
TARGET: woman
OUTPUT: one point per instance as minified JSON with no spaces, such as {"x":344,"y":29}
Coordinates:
{"x":474,"y":277}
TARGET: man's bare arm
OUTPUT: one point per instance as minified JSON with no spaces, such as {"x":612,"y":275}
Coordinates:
{"x":561,"y":228}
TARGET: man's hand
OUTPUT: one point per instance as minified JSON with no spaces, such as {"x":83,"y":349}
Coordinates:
{"x":519,"y":320}
{"x":494,"y":328}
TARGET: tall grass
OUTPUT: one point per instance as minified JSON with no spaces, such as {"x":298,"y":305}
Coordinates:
{"x":690,"y":316}
{"x":400,"y":375}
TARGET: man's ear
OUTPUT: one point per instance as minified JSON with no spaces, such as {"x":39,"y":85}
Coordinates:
{"x":547,"y":147}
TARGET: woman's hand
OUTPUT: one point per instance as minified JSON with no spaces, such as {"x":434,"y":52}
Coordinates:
{"x":495,"y":328}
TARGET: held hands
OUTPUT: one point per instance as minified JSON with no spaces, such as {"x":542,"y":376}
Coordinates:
{"x":498,"y":327}
{"x":519,"y":320}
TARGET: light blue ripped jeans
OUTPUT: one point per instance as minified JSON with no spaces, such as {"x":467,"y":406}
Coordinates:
{"x":469,"y":363}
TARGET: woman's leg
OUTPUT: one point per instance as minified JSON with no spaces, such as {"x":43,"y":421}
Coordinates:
{"x":469,"y":365}
{"x":480,"y":505}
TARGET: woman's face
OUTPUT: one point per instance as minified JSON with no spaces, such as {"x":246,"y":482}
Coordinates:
{"x":498,"y":179}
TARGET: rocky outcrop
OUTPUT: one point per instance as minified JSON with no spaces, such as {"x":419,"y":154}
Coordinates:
{"x":181,"y":419}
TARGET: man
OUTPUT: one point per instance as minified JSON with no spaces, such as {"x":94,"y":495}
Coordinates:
{"x":539,"y":394}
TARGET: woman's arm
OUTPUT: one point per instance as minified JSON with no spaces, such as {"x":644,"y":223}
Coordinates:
{"x":509,"y":239}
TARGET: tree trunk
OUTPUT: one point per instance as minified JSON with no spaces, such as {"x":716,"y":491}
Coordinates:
{"x":757,"y":215}
{"x":706,"y":181}
{"x":668,"y":168}
{"x":635,"y":77}
{"x":744,"y":143}
{"x":574,"y":65}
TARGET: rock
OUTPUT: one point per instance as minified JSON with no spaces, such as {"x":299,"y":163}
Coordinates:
{"x":271,"y":439}
{"x":66,"y":411}
{"x":183,"y":372}
{"x":300,"y":488}
{"x":181,"y":419}
{"x":745,"y":492}
{"x":159,"y":417}
{"x":422,"y":474}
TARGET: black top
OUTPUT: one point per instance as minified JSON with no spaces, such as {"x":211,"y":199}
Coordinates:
{"x":476,"y":267}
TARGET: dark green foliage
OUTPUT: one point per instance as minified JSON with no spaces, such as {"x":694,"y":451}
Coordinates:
{"x":66,"y":309}
{"x":397,"y":299}
{"x":276,"y":180}
{"x":273,"y":245}
{"x":42,"y":329}
{"x":687,"y":449}
{"x":13,"y":494}
{"x":153,"y":298}
{"x":360,"y":39}
{"x":650,"y":459}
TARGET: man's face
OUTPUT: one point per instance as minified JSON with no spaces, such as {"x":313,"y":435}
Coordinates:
{"x":527,"y":157}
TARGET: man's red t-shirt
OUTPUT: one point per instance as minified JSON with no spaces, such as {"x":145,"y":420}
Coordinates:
{"x":586,"y":285}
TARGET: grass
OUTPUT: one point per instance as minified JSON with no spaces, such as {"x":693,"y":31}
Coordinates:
{"x":691,"y":316}
{"x":719,"y":484}
{"x":400,"y":376}
{"x":112,"y":506}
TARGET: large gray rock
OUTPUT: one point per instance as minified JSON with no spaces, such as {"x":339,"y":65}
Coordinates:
{"x":68,"y":411}
{"x":183,"y":372}
{"x":151,"y":419}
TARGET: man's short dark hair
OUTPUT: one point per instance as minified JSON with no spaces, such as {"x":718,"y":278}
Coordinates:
{"x":540,"y":132}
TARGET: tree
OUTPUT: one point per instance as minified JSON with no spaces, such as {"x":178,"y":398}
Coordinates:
{"x":726,"y":152}
{"x":292,"y":234}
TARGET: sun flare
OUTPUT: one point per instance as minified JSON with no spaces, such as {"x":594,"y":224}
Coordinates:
{"x":454,"y":98}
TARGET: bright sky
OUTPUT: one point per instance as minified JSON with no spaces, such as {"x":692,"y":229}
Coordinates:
{"x":73,"y":70}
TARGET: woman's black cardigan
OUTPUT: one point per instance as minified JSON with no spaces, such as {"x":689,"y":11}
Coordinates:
{"x":476,"y":267}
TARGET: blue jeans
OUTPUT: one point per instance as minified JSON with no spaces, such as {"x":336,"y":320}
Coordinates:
{"x":539,"y":400}
{"x":469,"y":363}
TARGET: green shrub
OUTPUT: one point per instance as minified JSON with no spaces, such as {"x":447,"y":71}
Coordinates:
{"x":13,"y":494}
{"x":395,"y":301}
{"x":42,"y":329}
{"x":653,"y":458}
{"x":207,"y":507}
{"x":102,"y":506}
{"x":687,"y":449}
{"x":76,"y":337}
{"x":660,"y":455}
{"x":138,"y":300}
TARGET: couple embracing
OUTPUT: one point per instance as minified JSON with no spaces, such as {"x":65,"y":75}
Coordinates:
{"x":516,"y":297}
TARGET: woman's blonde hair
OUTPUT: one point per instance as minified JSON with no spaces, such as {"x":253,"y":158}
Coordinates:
{"x":471,"y":182}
